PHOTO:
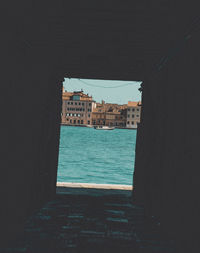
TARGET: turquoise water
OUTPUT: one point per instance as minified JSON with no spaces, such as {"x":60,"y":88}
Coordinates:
{"x":87,"y":155}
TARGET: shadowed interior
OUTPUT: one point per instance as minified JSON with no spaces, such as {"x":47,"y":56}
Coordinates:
{"x":154,"y":41}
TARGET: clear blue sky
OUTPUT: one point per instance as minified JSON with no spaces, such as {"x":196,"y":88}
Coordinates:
{"x":119,"y":92}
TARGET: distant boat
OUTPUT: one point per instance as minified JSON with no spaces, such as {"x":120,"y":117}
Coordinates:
{"x":103,"y":128}
{"x":89,"y":126}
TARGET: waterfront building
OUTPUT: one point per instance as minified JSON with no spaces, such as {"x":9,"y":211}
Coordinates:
{"x":116,"y":118}
{"x":98,"y":118}
{"x":80,"y":109}
{"x":109,"y":114}
{"x":77,"y":108}
{"x":133,"y":114}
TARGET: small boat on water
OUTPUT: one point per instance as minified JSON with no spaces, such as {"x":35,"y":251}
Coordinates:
{"x":103,"y":128}
{"x":89,"y":126}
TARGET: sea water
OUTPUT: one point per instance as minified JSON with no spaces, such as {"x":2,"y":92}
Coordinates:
{"x":87,"y":155}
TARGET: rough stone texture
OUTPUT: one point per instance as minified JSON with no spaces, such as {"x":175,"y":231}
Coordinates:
{"x":90,"y":223}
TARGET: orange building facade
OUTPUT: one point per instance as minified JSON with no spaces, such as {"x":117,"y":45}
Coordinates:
{"x":109,"y":115}
{"x":77,"y":108}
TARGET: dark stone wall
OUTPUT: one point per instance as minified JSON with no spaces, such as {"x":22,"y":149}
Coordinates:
{"x":30,"y":126}
{"x":30,"y":95}
{"x":43,"y":41}
{"x":167,"y":153}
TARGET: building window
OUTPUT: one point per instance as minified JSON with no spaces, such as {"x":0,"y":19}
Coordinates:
{"x":75,"y":103}
{"x":83,"y":104}
{"x":76,"y":97}
{"x":83,"y":109}
{"x":70,"y":121}
{"x":71,"y":103}
{"x":89,"y":104}
{"x":138,"y":109}
{"x":133,"y":109}
{"x":75,"y":121}
{"x":94,"y":122}
{"x":128,"y":109}
{"x":81,"y":121}
{"x":133,"y":115}
{"x":132,"y":122}
{"x":138,"y":115}
{"x":88,"y":122}
{"x":128,"y":122}
{"x":128,"y":115}
{"x":67,"y":119}
{"x":89,"y":115}
{"x":78,"y":121}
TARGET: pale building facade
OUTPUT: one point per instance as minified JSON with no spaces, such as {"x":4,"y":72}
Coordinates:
{"x":77,"y":108}
{"x":133,"y":114}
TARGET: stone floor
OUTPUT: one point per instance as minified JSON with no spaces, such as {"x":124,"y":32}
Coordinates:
{"x":79,"y":220}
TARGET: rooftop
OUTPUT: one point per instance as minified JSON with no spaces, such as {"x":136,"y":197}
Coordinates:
{"x":133,"y":103}
{"x":69,"y":95}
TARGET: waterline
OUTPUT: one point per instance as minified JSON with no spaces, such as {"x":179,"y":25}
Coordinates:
{"x":95,"y":186}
